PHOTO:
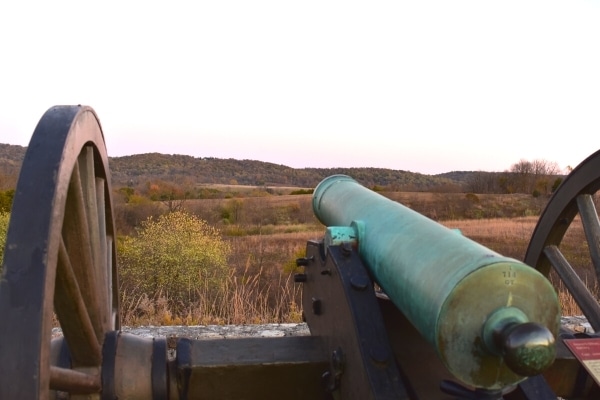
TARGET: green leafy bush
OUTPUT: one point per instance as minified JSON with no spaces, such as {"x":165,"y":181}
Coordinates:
{"x":172,"y":256}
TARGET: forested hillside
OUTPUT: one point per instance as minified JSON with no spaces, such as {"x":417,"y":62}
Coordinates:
{"x":186,"y":174}
{"x":139,"y":169}
{"x":132,"y":170}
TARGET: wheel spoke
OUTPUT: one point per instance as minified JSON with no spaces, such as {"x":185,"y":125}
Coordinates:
{"x":77,"y":242}
{"x":73,"y":315}
{"x":94,"y":211}
{"x":73,"y":382}
{"x":591,"y":226}
{"x":113,"y":290}
{"x":588,"y":304}
{"x":105,"y":256}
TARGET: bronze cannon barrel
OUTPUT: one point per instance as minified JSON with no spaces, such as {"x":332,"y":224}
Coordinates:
{"x":492,"y":319}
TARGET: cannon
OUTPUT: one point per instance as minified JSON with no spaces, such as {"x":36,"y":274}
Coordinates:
{"x":398,"y":306}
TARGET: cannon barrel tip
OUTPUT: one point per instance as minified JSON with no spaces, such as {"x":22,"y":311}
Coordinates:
{"x":528,"y":348}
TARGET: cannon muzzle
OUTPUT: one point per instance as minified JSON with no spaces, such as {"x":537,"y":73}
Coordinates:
{"x":492,"y":319}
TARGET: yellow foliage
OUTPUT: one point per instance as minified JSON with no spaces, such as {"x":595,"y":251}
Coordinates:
{"x":173,"y":254}
{"x":4,"y":219}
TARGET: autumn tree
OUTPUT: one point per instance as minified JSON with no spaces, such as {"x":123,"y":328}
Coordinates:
{"x":171,"y":256}
{"x":533,"y":177}
{"x":544,"y":176}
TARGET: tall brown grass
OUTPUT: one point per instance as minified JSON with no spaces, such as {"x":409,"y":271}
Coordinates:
{"x":260,"y":289}
{"x":242,"y":300}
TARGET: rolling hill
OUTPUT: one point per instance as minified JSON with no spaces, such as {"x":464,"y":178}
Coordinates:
{"x":140,"y":168}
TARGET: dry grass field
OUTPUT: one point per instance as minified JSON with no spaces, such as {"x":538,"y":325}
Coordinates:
{"x":267,"y":234}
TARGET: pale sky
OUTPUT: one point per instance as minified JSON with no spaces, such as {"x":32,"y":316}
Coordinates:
{"x":423,"y":86}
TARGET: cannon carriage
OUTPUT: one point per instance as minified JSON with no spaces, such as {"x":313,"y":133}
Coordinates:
{"x":398,"y":306}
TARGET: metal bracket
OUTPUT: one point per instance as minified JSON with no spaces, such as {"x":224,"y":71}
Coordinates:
{"x":340,"y":306}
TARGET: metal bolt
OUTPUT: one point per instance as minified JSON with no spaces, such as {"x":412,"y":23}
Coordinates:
{"x":359,"y":282}
{"x":338,"y":361}
{"x":317,"y":306}
{"x":304,"y":261}
{"x":331,"y":378}
{"x":328,"y":381}
{"x":299,"y":278}
{"x":379,"y":354}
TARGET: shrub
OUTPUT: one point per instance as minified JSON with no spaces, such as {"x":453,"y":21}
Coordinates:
{"x":472,"y":197}
{"x":4,"y":218}
{"x":302,"y":191}
{"x":556,"y":184}
{"x":6,"y":199}
{"x":172,"y":256}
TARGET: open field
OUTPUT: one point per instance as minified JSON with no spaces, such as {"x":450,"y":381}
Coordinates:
{"x":249,"y":189}
{"x":267,"y":235}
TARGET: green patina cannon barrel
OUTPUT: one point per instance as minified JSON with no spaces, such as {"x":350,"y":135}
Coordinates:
{"x":492,"y":319}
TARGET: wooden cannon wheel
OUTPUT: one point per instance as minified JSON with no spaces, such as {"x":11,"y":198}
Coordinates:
{"x":59,"y":260}
{"x":572,"y":202}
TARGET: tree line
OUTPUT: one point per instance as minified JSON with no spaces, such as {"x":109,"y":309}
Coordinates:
{"x":164,"y":177}
{"x":537,"y":178}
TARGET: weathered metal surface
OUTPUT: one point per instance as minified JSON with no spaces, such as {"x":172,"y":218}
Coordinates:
{"x":251,"y":368}
{"x":446,"y":284}
{"x":340,"y":306}
{"x":421,"y":367}
{"x":59,"y":257}
{"x":138,"y":367}
{"x":134,"y":367}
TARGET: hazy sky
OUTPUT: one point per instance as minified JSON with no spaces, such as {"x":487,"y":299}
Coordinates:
{"x":424,"y":86}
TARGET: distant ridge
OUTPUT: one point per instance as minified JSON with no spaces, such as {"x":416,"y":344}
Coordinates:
{"x":138,"y":169}
{"x":135,"y":169}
